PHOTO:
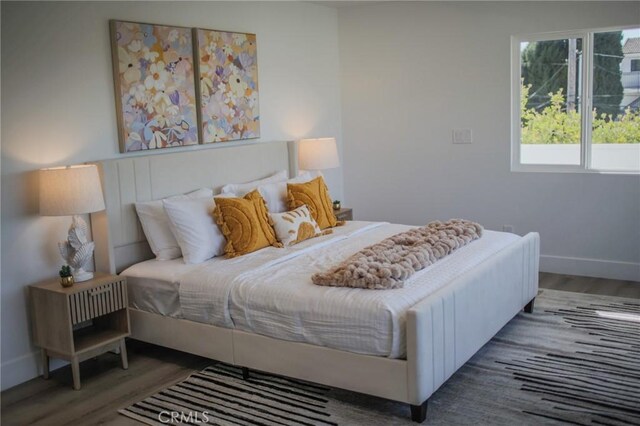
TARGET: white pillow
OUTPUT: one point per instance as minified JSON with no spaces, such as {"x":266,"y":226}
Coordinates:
{"x":155,"y":225}
{"x":242,"y":189}
{"x":275,"y":194}
{"x":195,"y":229}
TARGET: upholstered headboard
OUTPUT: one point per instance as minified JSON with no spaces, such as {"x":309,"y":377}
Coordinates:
{"x":120,"y":241}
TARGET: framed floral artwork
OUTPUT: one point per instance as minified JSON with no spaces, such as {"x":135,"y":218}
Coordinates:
{"x":155,"y":86}
{"x":227,"y":76}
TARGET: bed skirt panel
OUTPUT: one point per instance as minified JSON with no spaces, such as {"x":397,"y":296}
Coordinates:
{"x":373,"y":375}
{"x":187,"y":336}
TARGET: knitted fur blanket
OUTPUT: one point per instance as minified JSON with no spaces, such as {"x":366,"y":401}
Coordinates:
{"x":387,"y":264}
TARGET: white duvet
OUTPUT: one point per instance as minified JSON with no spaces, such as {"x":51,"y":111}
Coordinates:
{"x":270,"y":292}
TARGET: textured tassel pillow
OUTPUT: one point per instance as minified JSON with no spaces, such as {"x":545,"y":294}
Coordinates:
{"x":315,"y":195}
{"x":245,"y":223}
{"x":295,"y":226}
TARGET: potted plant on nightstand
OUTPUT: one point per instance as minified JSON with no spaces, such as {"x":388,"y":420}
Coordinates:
{"x":66,"y":278}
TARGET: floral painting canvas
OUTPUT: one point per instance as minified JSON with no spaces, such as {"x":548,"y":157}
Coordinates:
{"x":155,"y":86}
{"x":228,"y":85}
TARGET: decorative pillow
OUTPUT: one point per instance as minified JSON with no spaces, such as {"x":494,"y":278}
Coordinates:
{"x":245,"y":224}
{"x":315,"y":195}
{"x":156,"y":226}
{"x":295,"y":226}
{"x":275,"y":194}
{"x":241,"y":189}
{"x":195,"y":230}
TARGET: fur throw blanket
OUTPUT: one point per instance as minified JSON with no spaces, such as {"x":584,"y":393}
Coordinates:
{"x":390,"y":262}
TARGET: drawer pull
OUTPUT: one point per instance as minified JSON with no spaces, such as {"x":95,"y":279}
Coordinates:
{"x":96,"y":302}
{"x":97,"y":292}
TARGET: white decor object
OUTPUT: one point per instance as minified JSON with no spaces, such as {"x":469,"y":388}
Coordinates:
{"x":73,"y":190}
{"x":318,"y":154}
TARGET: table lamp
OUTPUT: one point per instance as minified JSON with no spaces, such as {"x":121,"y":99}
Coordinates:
{"x":73,"y":190}
{"x":318,"y":154}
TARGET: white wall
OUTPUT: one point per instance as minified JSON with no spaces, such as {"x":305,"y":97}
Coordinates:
{"x":58,"y":108}
{"x":412,"y":72}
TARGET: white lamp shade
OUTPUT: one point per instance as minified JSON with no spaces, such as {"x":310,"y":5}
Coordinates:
{"x":318,"y":154}
{"x":70,"y":190}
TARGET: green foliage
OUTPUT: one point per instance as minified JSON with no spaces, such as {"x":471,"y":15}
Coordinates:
{"x":552,"y":125}
{"x":625,"y":129}
{"x":544,"y":69}
{"x":607,"y":85}
{"x":544,"y":65}
{"x":65,"y":271}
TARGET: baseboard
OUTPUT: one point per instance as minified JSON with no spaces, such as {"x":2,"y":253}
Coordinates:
{"x":610,"y":269}
{"x":25,"y":368}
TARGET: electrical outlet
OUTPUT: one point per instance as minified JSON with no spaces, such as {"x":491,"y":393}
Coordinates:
{"x":507,"y":228}
{"x":462,"y":136}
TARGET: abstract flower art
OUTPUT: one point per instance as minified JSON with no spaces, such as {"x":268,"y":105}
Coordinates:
{"x":155,"y":86}
{"x":228,"y":85}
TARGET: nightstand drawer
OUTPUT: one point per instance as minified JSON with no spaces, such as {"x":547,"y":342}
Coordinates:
{"x":97,"y":301}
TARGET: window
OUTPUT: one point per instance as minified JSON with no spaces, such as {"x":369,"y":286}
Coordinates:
{"x":576,"y":107}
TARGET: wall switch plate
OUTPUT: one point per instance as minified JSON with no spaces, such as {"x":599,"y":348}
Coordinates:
{"x":463,"y":136}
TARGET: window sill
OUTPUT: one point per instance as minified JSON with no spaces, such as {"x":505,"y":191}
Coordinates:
{"x":541,"y":168}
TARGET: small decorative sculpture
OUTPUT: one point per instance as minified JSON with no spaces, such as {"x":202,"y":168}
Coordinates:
{"x":77,"y":250}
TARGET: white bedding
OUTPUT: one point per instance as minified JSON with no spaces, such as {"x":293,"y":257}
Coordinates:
{"x":269,"y":292}
{"x":152,"y":286}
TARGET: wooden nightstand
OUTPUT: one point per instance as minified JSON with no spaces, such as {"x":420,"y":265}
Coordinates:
{"x":80,"y":322}
{"x":344,"y":214}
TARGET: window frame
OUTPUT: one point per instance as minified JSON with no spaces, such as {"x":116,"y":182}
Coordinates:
{"x":586,"y":119}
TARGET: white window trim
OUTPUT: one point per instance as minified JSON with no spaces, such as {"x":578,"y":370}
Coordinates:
{"x":586,"y":123}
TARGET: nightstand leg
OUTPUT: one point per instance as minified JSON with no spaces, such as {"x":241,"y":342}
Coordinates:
{"x":45,"y":363}
{"x":75,"y":370}
{"x":123,"y":354}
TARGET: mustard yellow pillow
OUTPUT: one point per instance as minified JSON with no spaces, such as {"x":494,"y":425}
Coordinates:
{"x":245,"y":223}
{"x":315,"y":195}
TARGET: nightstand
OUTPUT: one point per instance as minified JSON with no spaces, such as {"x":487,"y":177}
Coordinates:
{"x":80,"y":322}
{"x":344,"y":214}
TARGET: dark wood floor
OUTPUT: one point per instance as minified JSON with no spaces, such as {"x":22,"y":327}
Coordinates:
{"x":106,"y":387}
{"x":590,"y":285}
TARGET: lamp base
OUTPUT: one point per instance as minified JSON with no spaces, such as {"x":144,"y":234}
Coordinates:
{"x":80,"y":275}
{"x":77,"y":251}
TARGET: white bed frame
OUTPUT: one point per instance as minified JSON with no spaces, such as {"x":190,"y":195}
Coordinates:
{"x":442,"y":331}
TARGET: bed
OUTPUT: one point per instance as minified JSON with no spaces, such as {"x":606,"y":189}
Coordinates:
{"x":261,"y":311}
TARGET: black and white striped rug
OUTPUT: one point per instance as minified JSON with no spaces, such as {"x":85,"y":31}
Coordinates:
{"x":576,"y":360}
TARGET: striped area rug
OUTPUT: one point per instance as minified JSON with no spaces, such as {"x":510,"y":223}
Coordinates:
{"x":576,"y":360}
{"x":220,"y":395}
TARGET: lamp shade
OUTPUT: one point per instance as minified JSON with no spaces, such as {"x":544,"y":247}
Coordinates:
{"x":318,"y":154}
{"x":70,"y":190}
